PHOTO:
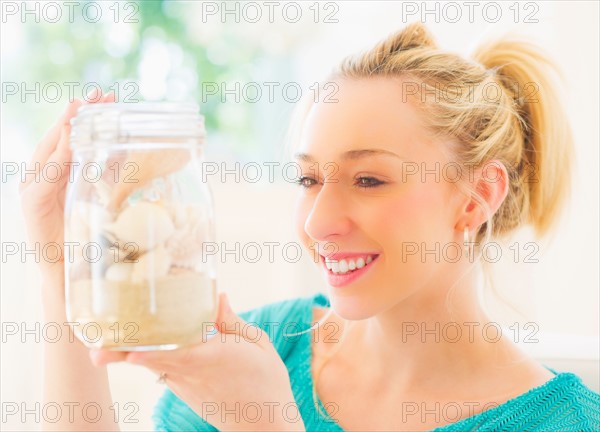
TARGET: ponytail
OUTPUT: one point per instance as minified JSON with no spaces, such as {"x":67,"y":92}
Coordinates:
{"x":525,"y":73}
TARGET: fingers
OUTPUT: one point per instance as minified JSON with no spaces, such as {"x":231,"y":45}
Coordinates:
{"x":109,"y":97}
{"x":206,"y":353}
{"x":228,"y":322}
{"x":104,"y":357}
{"x":60,"y":157}
{"x":224,"y":308}
{"x":157,"y":360}
{"x":49,"y":142}
{"x":40,"y":199}
{"x":51,"y":139}
{"x":172,"y":360}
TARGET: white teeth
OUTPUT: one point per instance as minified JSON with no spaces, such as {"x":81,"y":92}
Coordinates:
{"x":335,"y":267}
{"x":346,"y":265}
{"x":343,"y":266}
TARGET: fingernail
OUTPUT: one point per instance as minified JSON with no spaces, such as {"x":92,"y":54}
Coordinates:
{"x":92,"y":95}
{"x":67,"y":106}
{"x":107,"y":96}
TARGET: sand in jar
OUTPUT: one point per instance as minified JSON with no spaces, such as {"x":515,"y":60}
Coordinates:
{"x":127,"y":316}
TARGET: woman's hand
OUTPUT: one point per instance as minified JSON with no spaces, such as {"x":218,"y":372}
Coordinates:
{"x":235,"y":380}
{"x":66,"y":360}
{"x":43,"y":200}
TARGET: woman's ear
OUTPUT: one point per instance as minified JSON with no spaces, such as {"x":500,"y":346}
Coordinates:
{"x":491,"y":182}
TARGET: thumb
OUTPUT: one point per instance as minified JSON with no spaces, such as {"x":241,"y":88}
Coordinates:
{"x":227,"y":320}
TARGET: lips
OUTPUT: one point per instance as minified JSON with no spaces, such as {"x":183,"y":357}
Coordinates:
{"x":344,"y":268}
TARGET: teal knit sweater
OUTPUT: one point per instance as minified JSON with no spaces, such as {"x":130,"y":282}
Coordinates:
{"x":563,"y":403}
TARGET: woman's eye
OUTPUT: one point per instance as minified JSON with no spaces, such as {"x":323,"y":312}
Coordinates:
{"x":367,"y":182}
{"x":306,"y":182}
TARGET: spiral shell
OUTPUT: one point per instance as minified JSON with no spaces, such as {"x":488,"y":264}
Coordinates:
{"x":151,"y":265}
{"x":145,"y":224}
{"x":185,"y":245}
{"x":119,"y":272}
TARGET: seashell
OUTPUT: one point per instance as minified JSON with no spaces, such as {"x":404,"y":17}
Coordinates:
{"x":151,"y":265}
{"x":119,"y":272}
{"x":95,"y":214}
{"x":185,"y":245}
{"x":149,"y":165}
{"x":119,"y":251}
{"x":107,"y":240}
{"x":145,"y":224}
{"x":84,"y":221}
{"x":179,"y":213}
{"x":103,"y":192}
{"x":98,"y":215}
{"x":99,"y":264}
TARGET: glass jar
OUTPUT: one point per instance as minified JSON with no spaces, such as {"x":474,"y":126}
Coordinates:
{"x":138,"y":215}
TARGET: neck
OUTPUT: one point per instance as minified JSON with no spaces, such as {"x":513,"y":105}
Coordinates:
{"x":432,"y":334}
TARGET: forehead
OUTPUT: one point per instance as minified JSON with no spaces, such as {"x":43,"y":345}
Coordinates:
{"x":366,"y":113}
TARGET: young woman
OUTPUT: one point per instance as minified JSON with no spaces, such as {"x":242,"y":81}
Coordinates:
{"x":423,"y":149}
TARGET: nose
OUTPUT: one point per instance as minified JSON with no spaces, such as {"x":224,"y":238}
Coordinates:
{"x":328,"y":218}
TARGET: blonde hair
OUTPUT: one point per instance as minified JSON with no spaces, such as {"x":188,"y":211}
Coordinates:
{"x":523,"y":125}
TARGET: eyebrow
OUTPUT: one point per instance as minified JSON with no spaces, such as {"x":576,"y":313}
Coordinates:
{"x":351,"y":154}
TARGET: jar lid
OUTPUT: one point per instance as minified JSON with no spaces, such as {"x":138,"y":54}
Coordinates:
{"x":152,"y":123}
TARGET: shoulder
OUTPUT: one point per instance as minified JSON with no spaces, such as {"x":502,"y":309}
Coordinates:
{"x":563,"y":403}
{"x":584,"y":402}
{"x":567,"y":403}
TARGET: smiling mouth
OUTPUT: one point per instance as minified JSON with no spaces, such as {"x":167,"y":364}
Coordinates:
{"x":348,"y":265}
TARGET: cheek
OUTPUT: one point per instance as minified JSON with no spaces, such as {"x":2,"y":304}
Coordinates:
{"x":415,"y":217}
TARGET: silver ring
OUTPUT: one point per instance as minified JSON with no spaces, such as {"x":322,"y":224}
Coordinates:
{"x":162,"y":379}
